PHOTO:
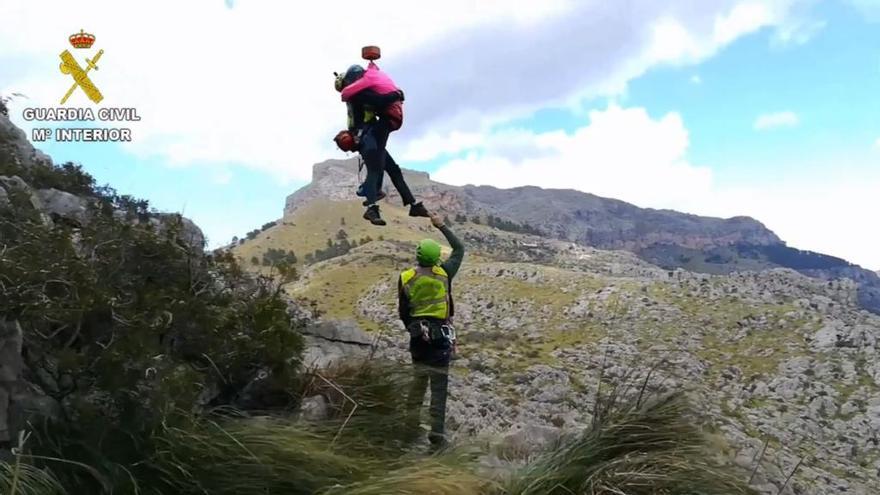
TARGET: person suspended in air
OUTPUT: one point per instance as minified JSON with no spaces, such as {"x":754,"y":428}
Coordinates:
{"x":375,"y":110}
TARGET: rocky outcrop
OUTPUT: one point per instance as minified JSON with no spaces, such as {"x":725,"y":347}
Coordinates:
{"x":189,"y":233}
{"x":14,"y":144}
{"x":63,"y":205}
{"x":330,"y":342}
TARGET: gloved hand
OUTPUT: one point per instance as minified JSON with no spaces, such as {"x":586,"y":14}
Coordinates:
{"x":436,"y":220}
{"x":346,"y":141}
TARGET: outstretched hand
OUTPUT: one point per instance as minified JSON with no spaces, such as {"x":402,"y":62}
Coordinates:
{"x":436,"y":220}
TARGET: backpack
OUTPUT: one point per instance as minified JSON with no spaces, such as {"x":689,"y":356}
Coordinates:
{"x":394,"y":113}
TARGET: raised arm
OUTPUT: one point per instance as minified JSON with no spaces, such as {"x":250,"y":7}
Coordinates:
{"x":452,"y":264}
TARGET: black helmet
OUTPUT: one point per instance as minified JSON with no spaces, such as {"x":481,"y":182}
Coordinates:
{"x":351,"y":75}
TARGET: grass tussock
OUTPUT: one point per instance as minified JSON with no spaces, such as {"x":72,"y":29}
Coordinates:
{"x":367,"y":401}
{"x":252,"y":456}
{"x":639,"y":443}
{"x":19,"y":478}
{"x":633,"y":448}
{"x":450,"y":474}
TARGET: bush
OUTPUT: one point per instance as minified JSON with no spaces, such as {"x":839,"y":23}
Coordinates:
{"x":127,"y":323}
{"x":275,"y":256}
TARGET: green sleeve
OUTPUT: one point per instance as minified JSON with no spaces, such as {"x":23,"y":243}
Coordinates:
{"x":452,"y":265}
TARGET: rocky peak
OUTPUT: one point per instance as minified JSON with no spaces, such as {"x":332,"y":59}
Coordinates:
{"x":338,"y":180}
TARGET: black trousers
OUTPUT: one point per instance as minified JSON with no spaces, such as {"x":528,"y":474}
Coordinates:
{"x":378,"y":161}
{"x":430,"y":367}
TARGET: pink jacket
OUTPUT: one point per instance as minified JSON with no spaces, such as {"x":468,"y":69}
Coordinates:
{"x":373,"y":79}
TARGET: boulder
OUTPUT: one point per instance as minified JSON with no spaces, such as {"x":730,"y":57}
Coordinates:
{"x":334,"y":341}
{"x":315,"y":408}
{"x":321,"y":353}
{"x":189,"y":233}
{"x":525,"y":440}
{"x":61,"y":204}
{"x":346,"y":331}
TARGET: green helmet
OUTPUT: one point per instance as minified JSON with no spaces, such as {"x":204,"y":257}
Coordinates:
{"x":428,"y":252}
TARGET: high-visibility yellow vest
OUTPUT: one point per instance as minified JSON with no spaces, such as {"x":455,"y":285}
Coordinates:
{"x":427,"y":289}
{"x":369,"y":116}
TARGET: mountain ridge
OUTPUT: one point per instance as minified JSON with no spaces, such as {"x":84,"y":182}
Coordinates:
{"x":665,"y":237}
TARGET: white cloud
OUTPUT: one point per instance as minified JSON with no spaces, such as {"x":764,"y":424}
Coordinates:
{"x":696,"y":79}
{"x":776,"y":119}
{"x":797,"y":31}
{"x":622,"y":153}
{"x":249,"y":84}
{"x":626,"y":154}
{"x":252,"y":83}
{"x":877,"y":143}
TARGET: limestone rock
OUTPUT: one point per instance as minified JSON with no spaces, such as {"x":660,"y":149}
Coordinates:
{"x":61,"y":204}
{"x":315,"y":408}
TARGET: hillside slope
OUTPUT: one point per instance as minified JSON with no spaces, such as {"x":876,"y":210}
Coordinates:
{"x":667,"y":238}
{"x":773,"y":355}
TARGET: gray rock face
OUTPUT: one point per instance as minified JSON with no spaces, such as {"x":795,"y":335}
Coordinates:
{"x":14,"y":144}
{"x":337,"y":180}
{"x":344,"y":331}
{"x":190,"y":233}
{"x":62,"y":204}
{"x":4,"y":198}
{"x":332,"y":342}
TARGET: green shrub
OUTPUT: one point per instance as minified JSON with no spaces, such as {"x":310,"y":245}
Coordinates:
{"x":128,"y":322}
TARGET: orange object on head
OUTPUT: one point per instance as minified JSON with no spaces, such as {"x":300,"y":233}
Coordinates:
{"x":371,"y":53}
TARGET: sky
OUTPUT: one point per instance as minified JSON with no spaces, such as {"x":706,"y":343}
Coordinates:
{"x":720,"y":107}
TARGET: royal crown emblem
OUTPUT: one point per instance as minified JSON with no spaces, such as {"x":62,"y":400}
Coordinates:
{"x":82,"y":39}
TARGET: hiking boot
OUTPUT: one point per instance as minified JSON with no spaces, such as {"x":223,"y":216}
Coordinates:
{"x":418,"y":210}
{"x":372,"y":214}
{"x":438,"y":442}
{"x":379,"y":197}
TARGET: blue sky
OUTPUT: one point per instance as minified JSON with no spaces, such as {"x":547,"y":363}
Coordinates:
{"x":665,"y":121}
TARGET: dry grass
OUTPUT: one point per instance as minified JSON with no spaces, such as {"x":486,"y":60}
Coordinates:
{"x":637,"y":445}
{"x":447,"y":475}
{"x":631,"y":449}
{"x":20,"y":478}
